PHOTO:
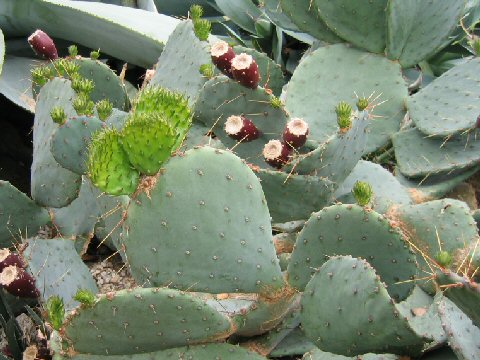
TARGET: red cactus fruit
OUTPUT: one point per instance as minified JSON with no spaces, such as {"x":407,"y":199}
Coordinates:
{"x":222,"y":56}
{"x":276,"y":153}
{"x":7,"y":258}
{"x":295,"y":133}
{"x":18,"y":282}
{"x":478,"y":121}
{"x":43,"y":45}
{"x":245,"y":70}
{"x":240,"y":128}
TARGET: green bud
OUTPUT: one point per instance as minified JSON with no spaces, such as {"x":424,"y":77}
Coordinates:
{"x":104,"y":109}
{"x":85,"y":297}
{"x":94,"y":55}
{"x":196,"y":12}
{"x":82,"y":85}
{"x":443,"y":258}
{"x":344,"y":113}
{"x":58,"y":115}
{"x":207,"y":70}
{"x":276,"y":102}
{"x":73,"y":50}
{"x":83,"y":105}
{"x":362,"y":191}
{"x":56,"y":311}
{"x":41,"y":75}
{"x":202,"y":28}
{"x":66,"y":67}
{"x":362,"y":104}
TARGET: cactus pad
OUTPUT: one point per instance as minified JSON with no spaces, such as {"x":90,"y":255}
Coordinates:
{"x":294,"y":197}
{"x":58,"y":275}
{"x":51,"y":185}
{"x":221,"y":240}
{"x":418,"y":155}
{"x":304,"y":14}
{"x":361,"y":23}
{"x":178,"y":66}
{"x":353,"y":230}
{"x":387,"y":190}
{"x":19,"y":215}
{"x":463,"y":336}
{"x":144,"y":320}
{"x":446,"y":107}
{"x":439,"y":225}
{"x":331,"y":318}
{"x":70,"y":141}
{"x":410,"y":41}
{"x":353,"y":72}
{"x":148,"y":140}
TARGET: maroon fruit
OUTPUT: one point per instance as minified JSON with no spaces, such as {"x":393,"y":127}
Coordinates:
{"x":245,"y":70}
{"x":295,"y":133}
{"x":240,"y":128}
{"x":222,"y":56}
{"x":18,"y":282}
{"x":7,"y":258}
{"x":276,"y":153}
{"x":43,"y":45}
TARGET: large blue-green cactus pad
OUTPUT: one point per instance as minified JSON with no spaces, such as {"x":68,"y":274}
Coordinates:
{"x":221,"y":239}
{"x":222,"y":97}
{"x":144,"y":320}
{"x":178,"y":68}
{"x":448,"y":105}
{"x":51,"y":184}
{"x":353,"y":230}
{"x":304,"y":14}
{"x":58,"y":269}
{"x":332,"y":320}
{"x":360,"y":22}
{"x":336,"y":73}
{"x":409,"y":40}
{"x":19,"y":215}
{"x":419,"y":155}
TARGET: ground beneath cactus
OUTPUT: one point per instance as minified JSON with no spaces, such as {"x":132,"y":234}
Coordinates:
{"x":111,"y":274}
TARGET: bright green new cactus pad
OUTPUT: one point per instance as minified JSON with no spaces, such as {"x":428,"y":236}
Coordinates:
{"x":108,"y":165}
{"x":204,"y":226}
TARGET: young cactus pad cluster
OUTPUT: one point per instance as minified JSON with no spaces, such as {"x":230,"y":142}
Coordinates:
{"x":287,"y":203}
{"x":153,"y":131}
